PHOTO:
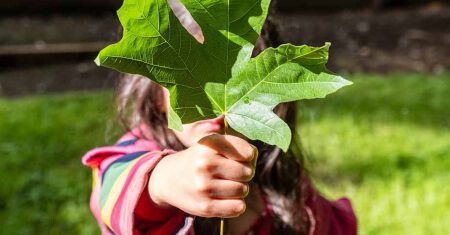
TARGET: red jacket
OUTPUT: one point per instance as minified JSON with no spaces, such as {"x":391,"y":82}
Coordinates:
{"x":121,"y":204}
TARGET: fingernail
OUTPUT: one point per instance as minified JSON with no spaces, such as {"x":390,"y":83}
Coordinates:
{"x":247,"y":190}
{"x":255,"y":156}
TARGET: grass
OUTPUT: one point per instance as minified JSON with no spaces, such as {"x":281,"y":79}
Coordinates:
{"x":44,"y":188}
{"x":384,"y":142}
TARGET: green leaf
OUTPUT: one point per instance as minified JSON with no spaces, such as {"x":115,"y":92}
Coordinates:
{"x":284,"y":74}
{"x":218,"y":76}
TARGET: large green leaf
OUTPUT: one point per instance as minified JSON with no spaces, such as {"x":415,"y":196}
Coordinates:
{"x":218,"y":76}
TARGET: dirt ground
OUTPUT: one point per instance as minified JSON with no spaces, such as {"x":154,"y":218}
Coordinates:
{"x":83,"y":75}
{"x":390,"y":41}
{"x":401,"y":40}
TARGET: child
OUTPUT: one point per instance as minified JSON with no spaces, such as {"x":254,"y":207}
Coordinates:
{"x":157,"y":181}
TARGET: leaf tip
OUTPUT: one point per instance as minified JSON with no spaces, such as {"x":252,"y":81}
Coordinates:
{"x":326,"y":46}
{"x":175,"y":126}
{"x":97,"y":61}
{"x":174,"y":121}
{"x":285,"y":142}
{"x":345,"y":82}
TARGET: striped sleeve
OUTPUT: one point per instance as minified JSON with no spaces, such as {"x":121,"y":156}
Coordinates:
{"x":120,"y":201}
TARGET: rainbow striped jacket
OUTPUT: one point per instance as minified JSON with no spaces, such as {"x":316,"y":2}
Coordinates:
{"x":122,"y":206}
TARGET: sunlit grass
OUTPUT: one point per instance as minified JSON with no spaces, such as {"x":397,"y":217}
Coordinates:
{"x":383,"y":142}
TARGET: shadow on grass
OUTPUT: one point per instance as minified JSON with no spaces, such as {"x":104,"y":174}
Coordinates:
{"x":416,"y":99}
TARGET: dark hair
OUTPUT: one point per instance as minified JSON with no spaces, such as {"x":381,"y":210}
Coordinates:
{"x":279,"y":175}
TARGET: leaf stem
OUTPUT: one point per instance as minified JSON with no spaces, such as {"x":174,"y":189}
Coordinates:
{"x":221,"y":225}
{"x":225,"y":126}
{"x":222,"y":220}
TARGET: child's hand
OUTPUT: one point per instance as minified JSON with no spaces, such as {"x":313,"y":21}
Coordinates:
{"x":208,"y":179}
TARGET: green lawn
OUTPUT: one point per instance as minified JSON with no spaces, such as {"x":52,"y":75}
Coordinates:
{"x":44,"y":187}
{"x":384,"y":142}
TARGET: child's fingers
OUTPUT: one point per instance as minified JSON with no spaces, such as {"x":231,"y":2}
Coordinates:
{"x":227,"y":189}
{"x":231,"y":147}
{"x":233,"y":170}
{"x":223,"y":208}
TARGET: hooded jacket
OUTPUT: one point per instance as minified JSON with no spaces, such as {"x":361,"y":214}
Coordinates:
{"x":122,"y":206}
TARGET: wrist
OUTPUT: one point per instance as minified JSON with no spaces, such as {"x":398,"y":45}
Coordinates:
{"x":155,"y":187}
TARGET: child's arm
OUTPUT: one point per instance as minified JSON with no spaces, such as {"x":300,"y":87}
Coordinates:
{"x":120,"y":178}
{"x":121,"y":199}
{"x":209,"y":179}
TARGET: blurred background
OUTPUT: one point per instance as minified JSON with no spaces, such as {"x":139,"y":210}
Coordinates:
{"x":383,"y":142}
